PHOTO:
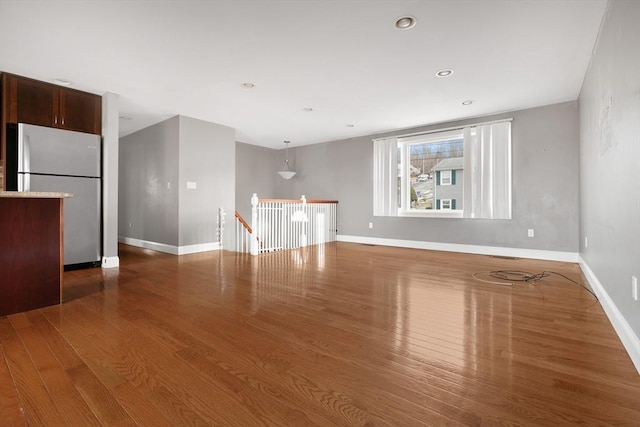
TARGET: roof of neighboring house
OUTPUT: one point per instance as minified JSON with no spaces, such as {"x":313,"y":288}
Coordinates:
{"x":451,"y":163}
{"x":412,"y":170}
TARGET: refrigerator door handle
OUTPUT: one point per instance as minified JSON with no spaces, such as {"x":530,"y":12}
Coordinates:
{"x":24,"y":155}
{"x":24,"y":182}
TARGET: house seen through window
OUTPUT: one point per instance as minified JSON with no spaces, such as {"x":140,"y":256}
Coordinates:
{"x":430,"y":174}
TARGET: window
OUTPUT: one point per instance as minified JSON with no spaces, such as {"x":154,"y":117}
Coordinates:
{"x":445,"y":177}
{"x":459,"y":173}
{"x":433,"y":161}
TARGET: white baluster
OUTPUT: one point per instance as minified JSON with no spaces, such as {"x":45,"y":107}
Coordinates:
{"x":269,"y":230}
{"x":238,"y":244}
{"x":289,"y":226}
{"x":254,"y":224}
{"x":303,"y":231}
{"x":320,"y":227}
{"x":309,"y":229}
{"x":221,"y":221}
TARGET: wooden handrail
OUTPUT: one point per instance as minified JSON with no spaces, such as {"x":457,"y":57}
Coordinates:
{"x":244,"y":223}
{"x":247,"y":227}
{"x":295,"y":201}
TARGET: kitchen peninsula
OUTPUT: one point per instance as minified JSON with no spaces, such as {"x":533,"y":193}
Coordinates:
{"x":31,"y":257}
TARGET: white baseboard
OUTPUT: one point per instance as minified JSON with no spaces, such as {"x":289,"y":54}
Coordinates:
{"x":470,"y":249}
{"x":110,"y":262}
{"x":170,"y":249}
{"x":201,"y":247}
{"x":629,"y":339}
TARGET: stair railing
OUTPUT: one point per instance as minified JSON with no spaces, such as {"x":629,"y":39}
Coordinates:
{"x":278,"y":224}
{"x":243,"y":234}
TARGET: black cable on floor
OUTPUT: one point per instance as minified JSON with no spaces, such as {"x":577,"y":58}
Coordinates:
{"x":524,"y":276}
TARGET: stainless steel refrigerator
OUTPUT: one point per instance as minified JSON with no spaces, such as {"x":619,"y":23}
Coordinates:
{"x":47,"y":159}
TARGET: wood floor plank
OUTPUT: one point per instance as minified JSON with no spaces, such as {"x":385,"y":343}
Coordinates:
{"x":69,"y":403}
{"x":61,"y":349}
{"x":184,"y":382}
{"x":363,"y":359}
{"x":292,"y":387}
{"x":104,"y":405}
{"x":228,"y":370}
{"x":10,"y":406}
{"x":293,"y":345}
{"x":112,"y":365}
{"x":343,"y":334}
{"x":139,"y":408}
{"x":232,"y":380}
{"x":37,"y":403}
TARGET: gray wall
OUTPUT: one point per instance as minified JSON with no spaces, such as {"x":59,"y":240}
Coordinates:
{"x":207,"y":157}
{"x":545,"y":186}
{"x":256,"y":172}
{"x":148,"y":184}
{"x":155,"y":165}
{"x":610,"y":158}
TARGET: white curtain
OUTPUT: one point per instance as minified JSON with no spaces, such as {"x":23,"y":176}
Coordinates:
{"x":487,"y":171}
{"x":385,"y":177}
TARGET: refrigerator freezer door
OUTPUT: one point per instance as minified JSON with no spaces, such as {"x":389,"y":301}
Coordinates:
{"x":52,"y":151}
{"x":82,"y":242}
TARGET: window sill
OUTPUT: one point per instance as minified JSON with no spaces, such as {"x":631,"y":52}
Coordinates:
{"x":427,"y":214}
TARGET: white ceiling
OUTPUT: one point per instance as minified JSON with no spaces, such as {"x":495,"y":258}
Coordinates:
{"x":344,"y":59}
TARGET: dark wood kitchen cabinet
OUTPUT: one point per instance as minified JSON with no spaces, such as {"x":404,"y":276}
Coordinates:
{"x":32,"y":257}
{"x":45,"y":104}
{"x":25,"y":100}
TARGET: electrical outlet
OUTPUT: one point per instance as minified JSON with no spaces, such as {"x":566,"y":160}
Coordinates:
{"x":586,"y":242}
{"x":168,"y":186}
{"x":530,"y":232}
{"x":192,"y":185}
{"x":634,"y":287}
{"x":370,"y":225}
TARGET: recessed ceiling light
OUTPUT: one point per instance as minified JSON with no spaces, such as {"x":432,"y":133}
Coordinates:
{"x":248,"y":85}
{"x":125,"y":118}
{"x":62,"y":82}
{"x":467,"y":102}
{"x":308,"y":109}
{"x":349,"y":125}
{"x":446,"y":72}
{"x":405,"y":22}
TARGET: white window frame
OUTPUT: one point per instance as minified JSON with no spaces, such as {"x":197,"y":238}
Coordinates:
{"x":487,"y":178}
{"x":405,"y":202}
{"x":442,"y":202}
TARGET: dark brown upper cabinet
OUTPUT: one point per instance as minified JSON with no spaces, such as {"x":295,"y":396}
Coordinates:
{"x":45,"y":104}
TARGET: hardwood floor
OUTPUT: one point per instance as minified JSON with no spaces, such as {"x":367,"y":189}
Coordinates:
{"x":344,"y":334}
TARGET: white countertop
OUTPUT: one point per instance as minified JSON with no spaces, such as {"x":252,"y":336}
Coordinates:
{"x":33,"y":195}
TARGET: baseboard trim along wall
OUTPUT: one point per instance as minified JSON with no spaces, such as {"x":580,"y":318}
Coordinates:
{"x":170,"y":249}
{"x":629,"y":339}
{"x":110,"y":262}
{"x":471,"y":249}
